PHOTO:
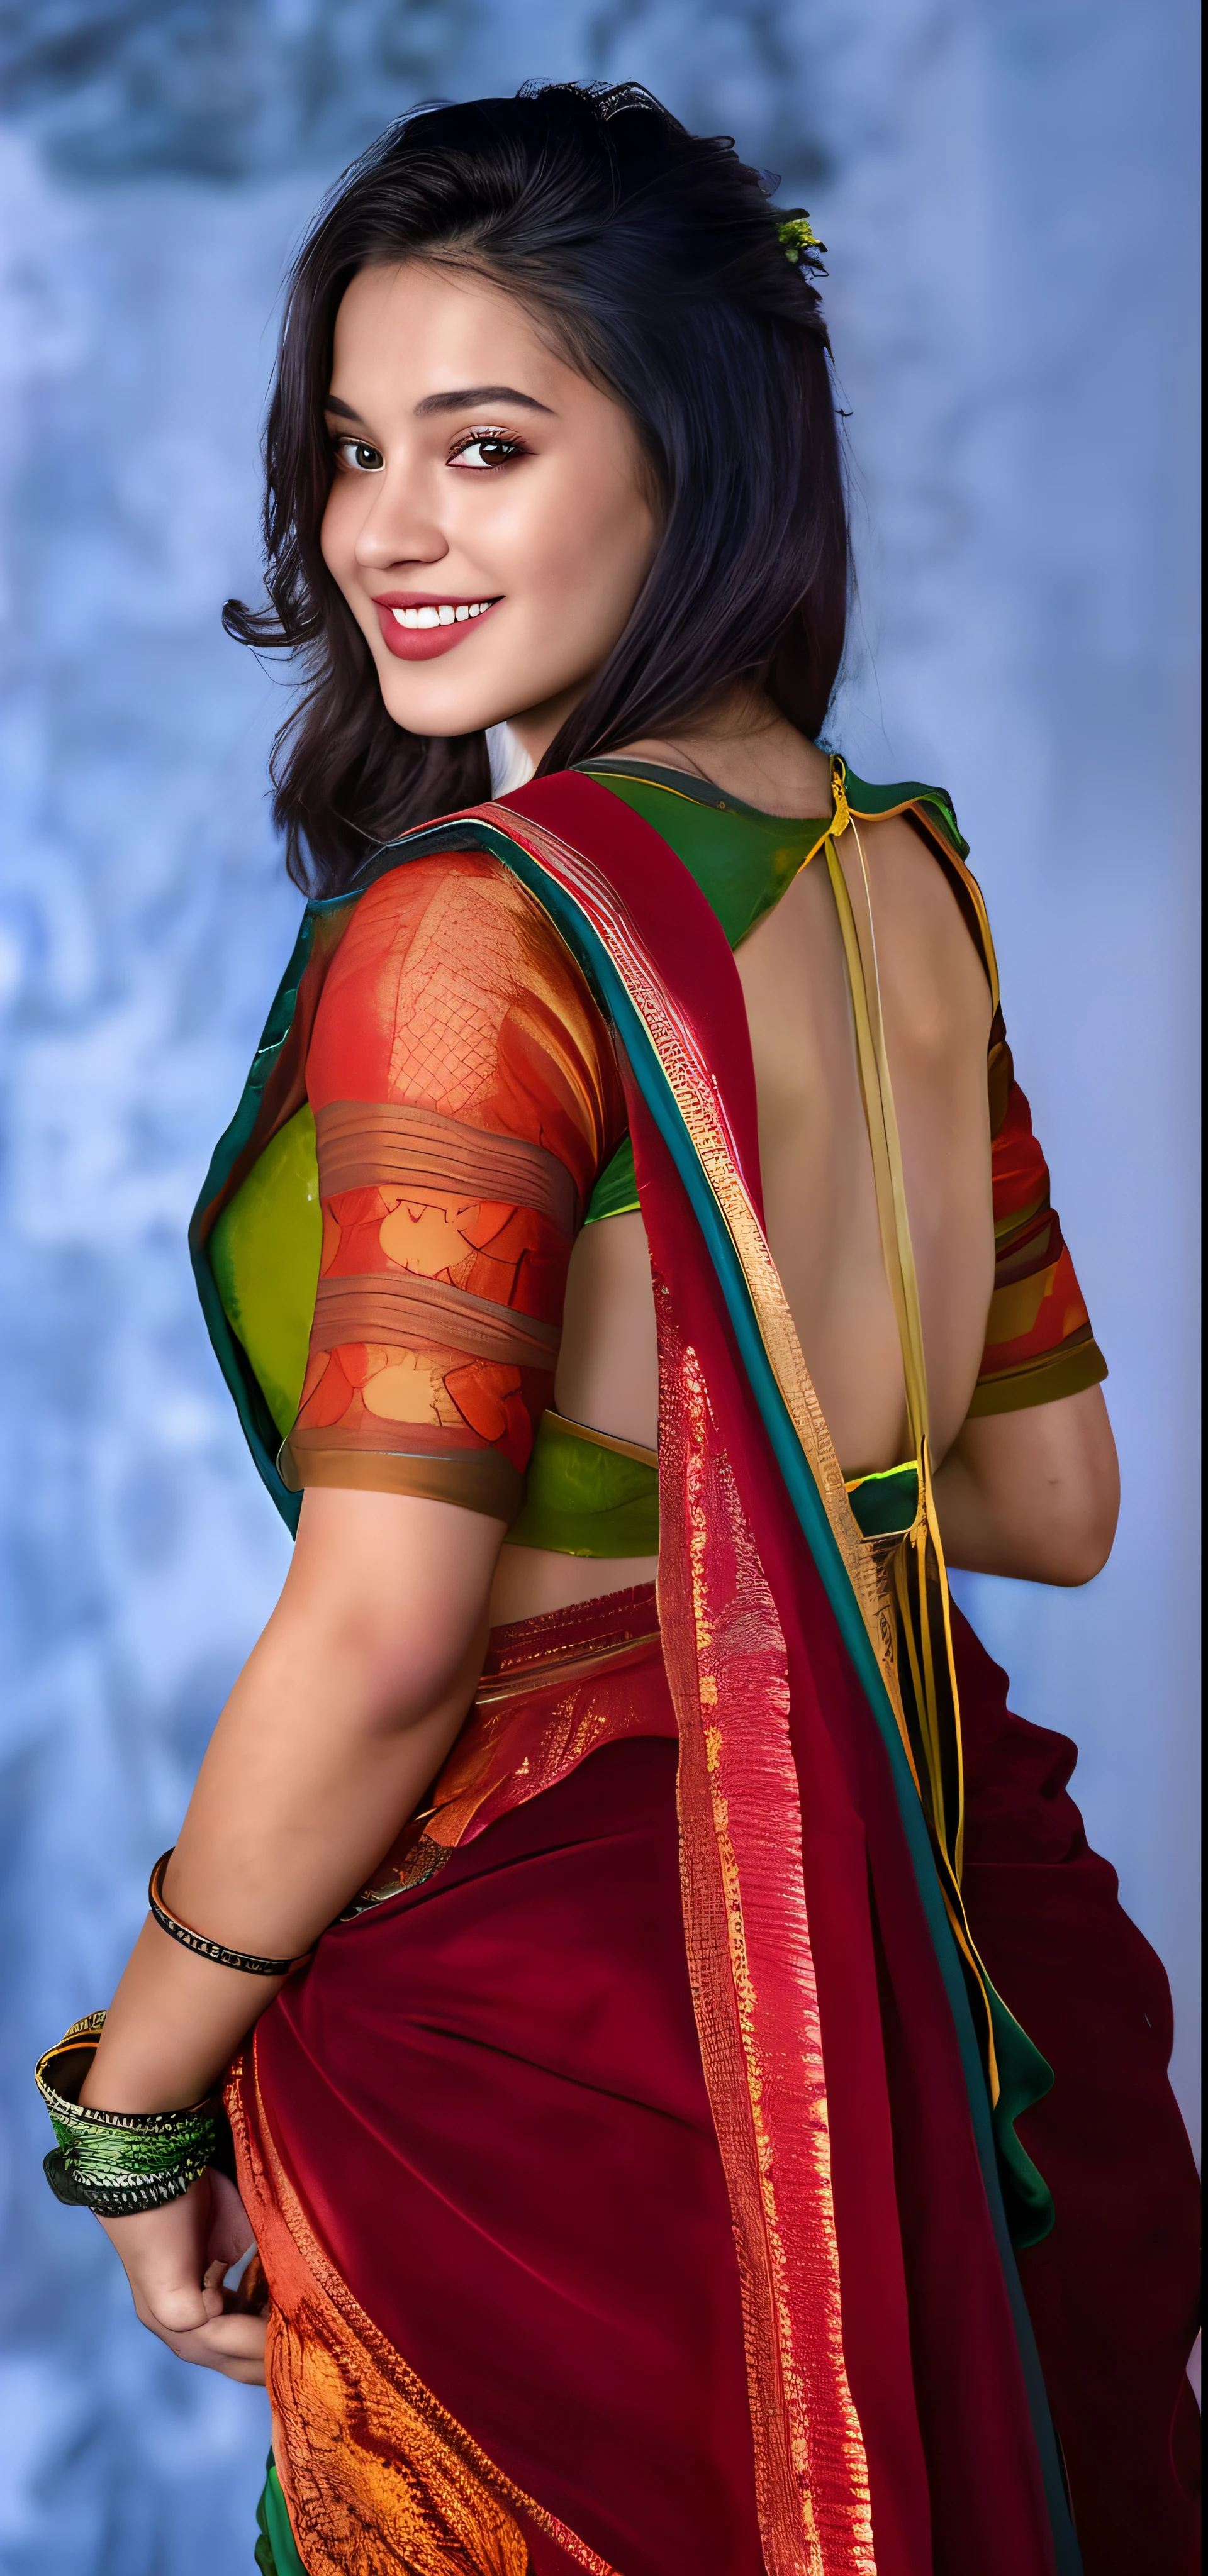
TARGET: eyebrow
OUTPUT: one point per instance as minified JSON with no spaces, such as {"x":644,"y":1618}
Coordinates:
{"x":466,"y":398}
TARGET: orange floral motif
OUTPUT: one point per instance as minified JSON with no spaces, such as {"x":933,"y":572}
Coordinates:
{"x":379,"y":2478}
{"x":441,"y":1238}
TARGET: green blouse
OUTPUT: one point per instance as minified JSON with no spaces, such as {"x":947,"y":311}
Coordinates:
{"x":743,"y":861}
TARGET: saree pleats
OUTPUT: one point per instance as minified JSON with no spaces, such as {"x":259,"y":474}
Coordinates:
{"x":494,"y":2150}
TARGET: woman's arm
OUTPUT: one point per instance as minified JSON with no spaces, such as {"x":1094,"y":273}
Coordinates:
{"x":342,"y":1715}
{"x":1035,"y":1494}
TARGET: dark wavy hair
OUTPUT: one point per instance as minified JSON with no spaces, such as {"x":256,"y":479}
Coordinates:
{"x":652,"y":256}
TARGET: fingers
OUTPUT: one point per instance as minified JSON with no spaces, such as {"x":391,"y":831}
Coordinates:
{"x":164,"y":2253}
{"x":229,"y":2232}
{"x":251,"y":2292}
{"x":232,"y":2345}
{"x":176,"y":2257}
{"x":176,"y":2260}
{"x":178,"y":2308}
{"x":172,"y":2307}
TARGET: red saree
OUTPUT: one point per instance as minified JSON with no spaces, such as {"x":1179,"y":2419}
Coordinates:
{"x":382,"y":2069}
{"x":488,"y":2094}
{"x":562,"y":2276}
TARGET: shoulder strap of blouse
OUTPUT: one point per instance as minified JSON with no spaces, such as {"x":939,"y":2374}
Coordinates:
{"x":932,"y":812}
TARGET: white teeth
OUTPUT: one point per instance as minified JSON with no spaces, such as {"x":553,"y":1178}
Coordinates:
{"x":446,"y":615}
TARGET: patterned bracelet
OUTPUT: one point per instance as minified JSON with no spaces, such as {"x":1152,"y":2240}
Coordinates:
{"x":118,"y":2162}
{"x":202,"y":1948}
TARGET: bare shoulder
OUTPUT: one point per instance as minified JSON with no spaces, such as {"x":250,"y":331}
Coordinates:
{"x":928,"y":959}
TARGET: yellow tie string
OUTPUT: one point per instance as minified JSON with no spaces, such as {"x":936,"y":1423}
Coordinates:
{"x":927,"y":1653}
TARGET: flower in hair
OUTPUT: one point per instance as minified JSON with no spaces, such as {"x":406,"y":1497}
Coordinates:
{"x":796,"y":235}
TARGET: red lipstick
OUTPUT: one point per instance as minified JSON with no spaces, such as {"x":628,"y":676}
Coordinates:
{"x":423,"y":643}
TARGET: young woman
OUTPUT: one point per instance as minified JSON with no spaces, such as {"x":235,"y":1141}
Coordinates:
{"x":611,"y":1885}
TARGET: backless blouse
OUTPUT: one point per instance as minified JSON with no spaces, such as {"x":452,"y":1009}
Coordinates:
{"x":394,"y":1263}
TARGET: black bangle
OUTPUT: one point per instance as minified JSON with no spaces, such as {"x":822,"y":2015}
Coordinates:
{"x":203,"y":1949}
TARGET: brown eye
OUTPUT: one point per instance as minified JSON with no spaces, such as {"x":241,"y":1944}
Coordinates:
{"x":358,"y":456}
{"x":485,"y":452}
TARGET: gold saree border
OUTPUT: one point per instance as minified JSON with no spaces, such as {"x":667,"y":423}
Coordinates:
{"x":379,"y":2478}
{"x":530,"y":1645}
{"x":567,"y":1668}
{"x":538,"y":1712}
{"x":755,"y":1992}
{"x":507,"y":1754}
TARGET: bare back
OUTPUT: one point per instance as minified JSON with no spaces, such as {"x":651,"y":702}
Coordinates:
{"x":819,"y":1198}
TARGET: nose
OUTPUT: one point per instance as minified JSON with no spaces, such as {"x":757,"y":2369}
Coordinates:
{"x":396,"y":529}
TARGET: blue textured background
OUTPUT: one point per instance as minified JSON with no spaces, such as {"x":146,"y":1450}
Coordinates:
{"x":1006,"y":186}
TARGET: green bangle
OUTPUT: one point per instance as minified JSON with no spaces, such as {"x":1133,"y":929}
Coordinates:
{"x":119,"y":2162}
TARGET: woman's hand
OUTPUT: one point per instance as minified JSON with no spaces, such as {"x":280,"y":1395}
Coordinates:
{"x":175,"y":2260}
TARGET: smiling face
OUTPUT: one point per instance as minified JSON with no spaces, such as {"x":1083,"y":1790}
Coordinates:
{"x":489,"y":522}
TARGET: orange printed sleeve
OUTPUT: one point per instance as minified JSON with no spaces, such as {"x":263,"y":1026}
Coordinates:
{"x":1039,"y":1343}
{"x":465,"y":1096}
